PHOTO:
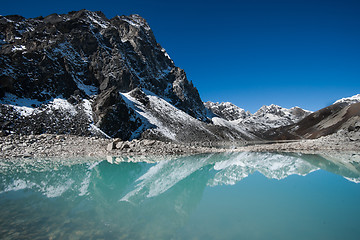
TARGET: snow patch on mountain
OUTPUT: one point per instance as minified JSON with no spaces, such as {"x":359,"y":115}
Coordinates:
{"x":150,"y":119}
{"x":166,"y":54}
{"x":62,"y":105}
{"x":18,"y":48}
{"x":11,"y":99}
{"x":233,"y":125}
{"x":95,"y":18}
{"x":162,"y":117}
{"x":136,"y":21}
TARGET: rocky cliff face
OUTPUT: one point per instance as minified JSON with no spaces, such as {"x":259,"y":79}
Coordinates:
{"x":86,"y":59}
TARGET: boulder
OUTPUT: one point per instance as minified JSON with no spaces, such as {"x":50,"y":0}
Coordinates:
{"x":148,"y":142}
{"x":355,"y":137}
{"x":125,"y":145}
{"x":110,"y":146}
{"x":118,"y":145}
{"x":351,"y":128}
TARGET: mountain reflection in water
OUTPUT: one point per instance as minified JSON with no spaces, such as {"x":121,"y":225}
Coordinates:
{"x":133,"y":200}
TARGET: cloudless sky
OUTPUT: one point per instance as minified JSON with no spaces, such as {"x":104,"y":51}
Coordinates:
{"x":302,"y":53}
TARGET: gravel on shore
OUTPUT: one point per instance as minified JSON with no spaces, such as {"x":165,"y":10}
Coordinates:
{"x":70,"y":146}
{"x":341,"y":141}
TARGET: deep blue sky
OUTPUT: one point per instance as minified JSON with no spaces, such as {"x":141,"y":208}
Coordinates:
{"x":302,"y":53}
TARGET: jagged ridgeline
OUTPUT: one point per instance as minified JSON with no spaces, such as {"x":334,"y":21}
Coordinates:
{"x":67,"y":74}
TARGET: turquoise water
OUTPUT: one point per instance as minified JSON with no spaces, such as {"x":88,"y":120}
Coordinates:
{"x":218,"y":196}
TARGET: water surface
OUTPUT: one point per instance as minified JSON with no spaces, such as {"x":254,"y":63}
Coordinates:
{"x":211,"y":196}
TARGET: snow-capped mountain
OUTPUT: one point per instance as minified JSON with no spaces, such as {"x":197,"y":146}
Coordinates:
{"x":81,"y":73}
{"x":265,"y":118}
{"x":227,"y":110}
{"x":349,"y":100}
{"x":274,"y":116}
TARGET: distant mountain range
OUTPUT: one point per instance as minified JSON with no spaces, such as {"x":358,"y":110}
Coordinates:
{"x":81,"y":73}
{"x":267,"y":117}
{"x":344,"y":114}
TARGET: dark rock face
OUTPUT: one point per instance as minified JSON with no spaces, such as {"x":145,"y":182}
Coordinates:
{"x":113,"y":116}
{"x":83,"y":55}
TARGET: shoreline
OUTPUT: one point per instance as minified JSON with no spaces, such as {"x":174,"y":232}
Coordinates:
{"x":70,"y":146}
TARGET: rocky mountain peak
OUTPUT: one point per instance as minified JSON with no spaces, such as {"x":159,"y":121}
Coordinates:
{"x":136,"y":21}
{"x":299,"y":113}
{"x":271,"y":109}
{"x":84,"y":55}
{"x":227,"y":110}
{"x":294,"y":113}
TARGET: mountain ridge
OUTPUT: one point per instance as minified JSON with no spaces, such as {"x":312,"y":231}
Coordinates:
{"x":267,"y":117}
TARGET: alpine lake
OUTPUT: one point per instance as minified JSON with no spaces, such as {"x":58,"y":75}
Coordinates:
{"x":207,"y":196}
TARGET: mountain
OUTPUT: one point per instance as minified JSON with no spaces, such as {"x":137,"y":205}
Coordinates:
{"x":81,"y":73}
{"x":267,"y":117}
{"x":275,"y":116}
{"x":227,"y":110}
{"x":349,"y":100}
{"x":344,"y":114}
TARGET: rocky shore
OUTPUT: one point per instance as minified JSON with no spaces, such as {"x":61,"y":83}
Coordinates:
{"x":342,"y":141}
{"x":69,"y":146}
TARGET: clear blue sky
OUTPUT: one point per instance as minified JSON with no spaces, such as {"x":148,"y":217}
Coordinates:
{"x":302,"y":53}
